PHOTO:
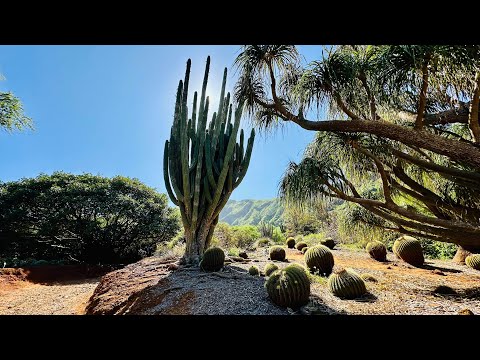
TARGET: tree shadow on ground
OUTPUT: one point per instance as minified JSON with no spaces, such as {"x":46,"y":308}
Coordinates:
{"x":436,"y":267}
{"x":316,"y":306}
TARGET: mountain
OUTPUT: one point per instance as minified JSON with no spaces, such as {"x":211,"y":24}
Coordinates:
{"x":252,"y":212}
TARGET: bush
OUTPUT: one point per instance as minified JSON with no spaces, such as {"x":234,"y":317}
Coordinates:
{"x":278,"y":237}
{"x":89,"y":218}
{"x":263,"y":242}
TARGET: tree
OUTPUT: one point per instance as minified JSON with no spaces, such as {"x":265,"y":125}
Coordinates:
{"x":11,"y":113}
{"x":407,"y":115}
{"x":203,"y":166}
{"x":83,"y":218}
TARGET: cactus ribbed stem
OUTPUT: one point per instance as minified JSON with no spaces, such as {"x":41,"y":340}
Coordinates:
{"x":203,"y":163}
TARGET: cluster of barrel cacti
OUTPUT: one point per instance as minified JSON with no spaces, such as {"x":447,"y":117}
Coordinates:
{"x":289,"y":287}
{"x":277,"y":253}
{"x":266,"y":229}
{"x":377,"y":250}
{"x":346,"y":284}
{"x":270,"y":268}
{"x":319,"y":259}
{"x":291,"y":242}
{"x":301,"y":245}
{"x":213,"y":259}
{"x":473,"y":261}
{"x":409,"y":250}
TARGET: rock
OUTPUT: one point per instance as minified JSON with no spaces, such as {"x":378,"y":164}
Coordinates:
{"x":172,"y":267}
{"x":243,"y":254}
{"x":389,"y":267}
{"x":438,"y":272}
{"x":444,"y":290}
{"x":237,"y":259}
{"x":465,"y":312}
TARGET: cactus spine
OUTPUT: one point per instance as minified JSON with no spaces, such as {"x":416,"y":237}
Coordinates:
{"x":409,"y":250}
{"x":289,"y":287}
{"x":346,"y":284}
{"x":377,"y":250}
{"x":473,"y":261}
{"x":203,"y":165}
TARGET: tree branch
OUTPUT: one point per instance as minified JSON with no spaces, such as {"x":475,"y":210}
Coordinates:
{"x":423,"y":95}
{"x":473,"y":119}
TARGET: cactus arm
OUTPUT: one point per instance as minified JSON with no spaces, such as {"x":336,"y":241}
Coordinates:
{"x":226,"y":163}
{"x":208,"y":161}
{"x":166,"y":177}
{"x":184,"y":140}
{"x":246,"y":160}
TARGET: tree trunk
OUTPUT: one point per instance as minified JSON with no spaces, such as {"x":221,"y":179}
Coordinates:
{"x":198,"y":242}
{"x":463,"y":252}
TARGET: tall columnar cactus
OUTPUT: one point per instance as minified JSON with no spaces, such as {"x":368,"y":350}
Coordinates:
{"x":473,"y":261}
{"x":202,"y":164}
{"x":377,"y":250}
{"x":346,"y":284}
{"x":266,"y":229}
{"x":289,"y":287}
{"x":409,"y":250}
{"x":319,"y":259}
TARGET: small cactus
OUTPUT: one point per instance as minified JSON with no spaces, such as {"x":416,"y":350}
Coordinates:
{"x":301,"y":245}
{"x":319,"y":259}
{"x":213,"y":259}
{"x":473,"y":261}
{"x":346,"y":284}
{"x":409,"y":250}
{"x":254,"y":271}
{"x":368,"y":277}
{"x":277,"y":253}
{"x":289,"y":287}
{"x":328,"y":242}
{"x":270,"y":268}
{"x":377,"y":250}
{"x":291,"y":242}
{"x":304,"y":250}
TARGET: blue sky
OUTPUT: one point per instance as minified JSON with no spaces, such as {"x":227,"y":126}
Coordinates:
{"x":108,"y":110}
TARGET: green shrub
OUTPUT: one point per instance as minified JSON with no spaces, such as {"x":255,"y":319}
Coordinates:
{"x":438,"y":250}
{"x":319,"y":259}
{"x":278,"y":237}
{"x":254,"y":271}
{"x":346,"y":284}
{"x":213,"y":259}
{"x":473,"y":261}
{"x":377,"y":250}
{"x":290,"y":242}
{"x":263,"y":242}
{"x":244,"y":236}
{"x":270,"y":268}
{"x":233,"y":251}
{"x":289,"y":287}
{"x":409,"y":250}
{"x":277,"y":253}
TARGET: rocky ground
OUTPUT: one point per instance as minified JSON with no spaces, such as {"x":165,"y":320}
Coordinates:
{"x":155,"y":286}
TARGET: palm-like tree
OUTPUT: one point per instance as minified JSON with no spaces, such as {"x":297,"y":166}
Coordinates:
{"x":405,"y":115}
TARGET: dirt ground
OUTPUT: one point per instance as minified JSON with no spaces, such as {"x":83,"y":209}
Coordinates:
{"x":400,"y":288}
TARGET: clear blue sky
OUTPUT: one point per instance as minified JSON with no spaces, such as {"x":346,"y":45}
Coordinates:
{"x":108,"y":110}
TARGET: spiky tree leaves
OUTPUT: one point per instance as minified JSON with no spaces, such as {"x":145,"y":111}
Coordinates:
{"x":406,"y":116}
{"x":203,"y":163}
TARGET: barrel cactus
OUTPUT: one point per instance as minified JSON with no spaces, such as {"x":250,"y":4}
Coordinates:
{"x":409,"y":250}
{"x":473,"y":261}
{"x":289,"y":287}
{"x":328,"y":242}
{"x":213,"y":259}
{"x":319,"y":259}
{"x":301,"y":245}
{"x":346,"y":284}
{"x":291,"y":242}
{"x":377,"y":250}
{"x":254,"y":271}
{"x":304,"y":250}
{"x":277,"y":253}
{"x":269,"y":269}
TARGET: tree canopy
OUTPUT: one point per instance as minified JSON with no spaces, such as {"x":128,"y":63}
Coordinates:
{"x":12,"y":116}
{"x":83,"y":218}
{"x":406,"y":115}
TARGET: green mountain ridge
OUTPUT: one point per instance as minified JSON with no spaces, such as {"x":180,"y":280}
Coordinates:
{"x":252,"y":212}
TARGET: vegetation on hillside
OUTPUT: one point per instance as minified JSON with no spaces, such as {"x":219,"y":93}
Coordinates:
{"x":252,"y":212}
